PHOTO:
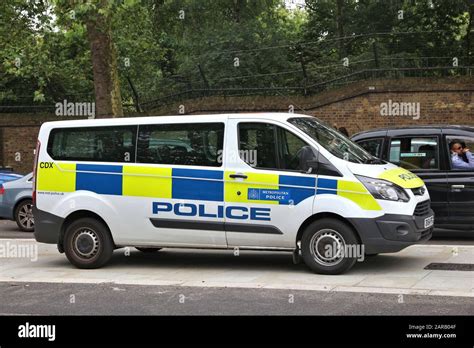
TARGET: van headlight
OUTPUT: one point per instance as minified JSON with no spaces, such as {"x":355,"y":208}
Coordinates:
{"x":382,"y":189}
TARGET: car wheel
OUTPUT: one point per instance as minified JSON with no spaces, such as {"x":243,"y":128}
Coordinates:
{"x":327,"y":245}
{"x":24,"y":216}
{"x":88,"y":243}
{"x":148,"y":250}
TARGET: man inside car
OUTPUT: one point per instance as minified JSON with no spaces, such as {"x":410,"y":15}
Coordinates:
{"x":461,"y":157}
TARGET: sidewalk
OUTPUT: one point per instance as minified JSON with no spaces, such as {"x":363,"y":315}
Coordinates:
{"x":399,"y":273}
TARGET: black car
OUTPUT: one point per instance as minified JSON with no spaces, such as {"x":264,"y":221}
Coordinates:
{"x":425,"y":150}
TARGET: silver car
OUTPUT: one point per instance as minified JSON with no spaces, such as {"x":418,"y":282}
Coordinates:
{"x":16,"y":202}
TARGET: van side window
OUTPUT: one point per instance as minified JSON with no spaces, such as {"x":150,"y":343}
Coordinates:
{"x":97,"y":144}
{"x":267,"y":146}
{"x":257,"y":145}
{"x":197,"y":144}
{"x":415,"y":153}
{"x":372,"y":146}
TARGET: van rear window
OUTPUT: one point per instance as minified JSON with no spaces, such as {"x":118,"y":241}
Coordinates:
{"x":98,"y":144}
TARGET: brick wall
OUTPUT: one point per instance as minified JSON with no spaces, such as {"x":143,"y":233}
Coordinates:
{"x":18,"y":135}
{"x":355,"y":106}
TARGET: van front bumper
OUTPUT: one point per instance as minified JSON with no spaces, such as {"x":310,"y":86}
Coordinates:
{"x":392,"y":232}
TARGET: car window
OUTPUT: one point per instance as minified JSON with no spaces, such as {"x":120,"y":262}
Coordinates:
{"x":268,"y":146}
{"x":460,"y":151}
{"x":415,"y":152}
{"x":198,"y":144}
{"x":372,"y":146}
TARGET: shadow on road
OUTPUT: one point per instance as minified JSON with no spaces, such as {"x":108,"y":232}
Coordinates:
{"x":247,"y":261}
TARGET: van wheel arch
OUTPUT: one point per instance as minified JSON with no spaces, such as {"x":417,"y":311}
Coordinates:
{"x":320,"y":216}
{"x":78,"y":215}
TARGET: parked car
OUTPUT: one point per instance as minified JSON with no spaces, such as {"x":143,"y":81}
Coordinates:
{"x":7,"y":176}
{"x":425,"y":150}
{"x":16,"y":202}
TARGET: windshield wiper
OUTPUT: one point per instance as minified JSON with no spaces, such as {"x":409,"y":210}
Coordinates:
{"x":373,"y":160}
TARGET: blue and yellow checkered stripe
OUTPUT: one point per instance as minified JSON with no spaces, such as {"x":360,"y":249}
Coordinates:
{"x":196,"y":184}
{"x":139,"y":181}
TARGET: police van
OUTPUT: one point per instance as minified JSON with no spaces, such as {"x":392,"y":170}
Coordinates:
{"x":269,"y":181}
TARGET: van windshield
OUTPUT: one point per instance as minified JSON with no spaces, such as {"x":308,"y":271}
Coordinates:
{"x":333,"y":141}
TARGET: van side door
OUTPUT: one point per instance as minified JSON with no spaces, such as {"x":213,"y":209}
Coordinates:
{"x":267,"y":194}
{"x":176,"y":188}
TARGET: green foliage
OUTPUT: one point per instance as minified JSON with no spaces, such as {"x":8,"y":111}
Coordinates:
{"x":168,"y":46}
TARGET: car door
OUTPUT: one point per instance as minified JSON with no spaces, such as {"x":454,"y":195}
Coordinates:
{"x":418,"y":150}
{"x":267,"y":195}
{"x":178,"y":182}
{"x":460,"y":185}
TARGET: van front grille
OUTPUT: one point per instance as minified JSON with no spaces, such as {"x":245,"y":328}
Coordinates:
{"x":422,"y":208}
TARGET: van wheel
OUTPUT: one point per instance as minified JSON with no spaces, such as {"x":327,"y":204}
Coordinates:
{"x":88,"y":244}
{"x":24,"y":216}
{"x":148,"y":250}
{"x":324,"y":246}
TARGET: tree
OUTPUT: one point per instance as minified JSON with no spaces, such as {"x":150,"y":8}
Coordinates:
{"x":97,"y":18}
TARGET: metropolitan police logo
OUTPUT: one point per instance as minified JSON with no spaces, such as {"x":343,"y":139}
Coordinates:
{"x":253,"y":194}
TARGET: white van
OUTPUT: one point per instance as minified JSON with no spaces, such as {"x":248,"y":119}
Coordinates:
{"x":266,"y":181}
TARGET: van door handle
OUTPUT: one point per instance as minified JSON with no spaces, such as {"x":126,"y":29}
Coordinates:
{"x":457,"y":187}
{"x":238,"y":176}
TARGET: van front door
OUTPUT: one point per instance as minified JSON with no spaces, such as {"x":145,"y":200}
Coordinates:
{"x":267,"y":195}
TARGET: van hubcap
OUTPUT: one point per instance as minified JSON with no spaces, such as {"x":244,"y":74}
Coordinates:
{"x":86,"y":243}
{"x":327,"y":247}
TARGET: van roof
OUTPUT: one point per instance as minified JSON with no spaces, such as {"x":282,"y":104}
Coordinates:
{"x":279,"y":116}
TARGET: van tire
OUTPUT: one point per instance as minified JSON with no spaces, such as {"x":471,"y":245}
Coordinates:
{"x":148,"y":250}
{"x":87,"y":243}
{"x":327,"y":231}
